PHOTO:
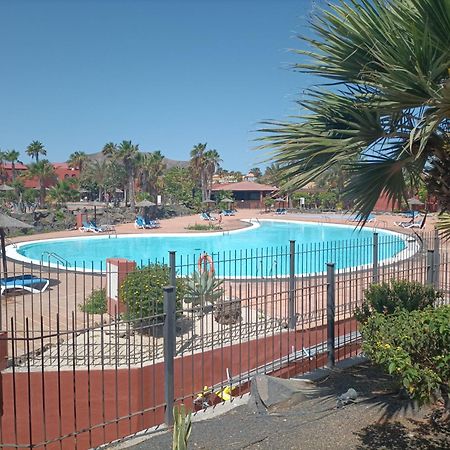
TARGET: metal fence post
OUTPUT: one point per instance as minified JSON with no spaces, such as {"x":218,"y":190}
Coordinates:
{"x":331,"y":307}
{"x":173,"y":269}
{"x":375,"y":258}
{"x":291,"y":306}
{"x":430,"y":267}
{"x":437,"y":258}
{"x":169,"y":352}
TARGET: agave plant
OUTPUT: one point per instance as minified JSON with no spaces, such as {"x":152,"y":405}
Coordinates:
{"x":182,"y":427}
{"x":202,"y":288}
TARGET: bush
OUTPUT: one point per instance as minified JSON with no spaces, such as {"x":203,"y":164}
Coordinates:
{"x":387,"y":298}
{"x":95,"y":303}
{"x":203,"y":227}
{"x":414,"y":347}
{"x":142,"y":291}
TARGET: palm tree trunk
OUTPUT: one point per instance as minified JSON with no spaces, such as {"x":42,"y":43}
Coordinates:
{"x":131,"y":187}
{"x":41,"y":194}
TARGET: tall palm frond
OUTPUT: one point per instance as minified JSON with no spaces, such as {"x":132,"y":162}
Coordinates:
{"x":386,"y":119}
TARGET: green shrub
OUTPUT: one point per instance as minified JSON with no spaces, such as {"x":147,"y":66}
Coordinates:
{"x":142,"y":291}
{"x":203,"y":227}
{"x":95,"y":303}
{"x":387,"y":298}
{"x":414,"y":347}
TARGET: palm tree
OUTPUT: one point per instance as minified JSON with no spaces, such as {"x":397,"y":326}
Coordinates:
{"x":151,"y":171}
{"x":45,"y":173}
{"x":387,"y":120}
{"x":197,"y":164}
{"x":35,"y":149}
{"x":12,"y":156}
{"x":62,"y":192}
{"x":78,"y":160}
{"x":109,"y":149}
{"x":3,"y":172}
{"x":97,"y":173}
{"x":212,"y":162}
{"x":204,"y":163}
{"x":129,"y":155}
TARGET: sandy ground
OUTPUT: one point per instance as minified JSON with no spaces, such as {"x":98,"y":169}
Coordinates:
{"x":379,"y":419}
{"x":179,"y":224}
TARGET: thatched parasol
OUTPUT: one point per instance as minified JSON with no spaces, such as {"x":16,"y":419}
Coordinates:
{"x":8,"y":222}
{"x":227,"y":200}
{"x":5,"y":187}
{"x":145,"y":204}
{"x":208,"y":201}
{"x":414,"y":201}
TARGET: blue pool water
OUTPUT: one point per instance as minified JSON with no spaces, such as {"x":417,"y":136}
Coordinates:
{"x":255,"y":251}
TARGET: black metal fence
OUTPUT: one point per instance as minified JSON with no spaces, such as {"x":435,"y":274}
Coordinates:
{"x":82,"y":367}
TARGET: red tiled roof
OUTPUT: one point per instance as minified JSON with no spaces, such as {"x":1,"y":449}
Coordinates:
{"x":244,"y":186}
{"x":18,"y":166}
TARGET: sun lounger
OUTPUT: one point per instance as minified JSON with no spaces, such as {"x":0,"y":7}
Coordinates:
{"x":28,"y":283}
{"x":281,"y":211}
{"x":90,"y":226}
{"x":228,"y":212}
{"x":207,"y":216}
{"x":412,"y":223}
{"x":150,"y":223}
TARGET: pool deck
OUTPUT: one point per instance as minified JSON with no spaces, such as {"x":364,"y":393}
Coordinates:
{"x":179,"y":224}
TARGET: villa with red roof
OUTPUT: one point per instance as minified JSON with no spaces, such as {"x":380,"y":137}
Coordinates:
{"x":247,"y":194}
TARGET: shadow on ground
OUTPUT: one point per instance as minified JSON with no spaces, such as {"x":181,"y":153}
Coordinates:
{"x":380,"y":418}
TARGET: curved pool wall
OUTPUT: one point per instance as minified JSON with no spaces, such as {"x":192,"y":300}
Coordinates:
{"x":260,"y":250}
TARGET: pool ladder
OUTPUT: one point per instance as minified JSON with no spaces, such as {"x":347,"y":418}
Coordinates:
{"x":54,"y":255}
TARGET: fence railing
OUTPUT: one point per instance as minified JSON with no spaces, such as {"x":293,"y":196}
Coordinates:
{"x":82,"y":365}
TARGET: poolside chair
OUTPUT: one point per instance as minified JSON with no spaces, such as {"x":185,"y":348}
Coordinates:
{"x":228,"y":212}
{"x":90,"y":226}
{"x":281,"y":211}
{"x":140,"y":223}
{"x":207,"y":216}
{"x":412,"y":223}
{"x":28,"y":283}
{"x":150,"y":223}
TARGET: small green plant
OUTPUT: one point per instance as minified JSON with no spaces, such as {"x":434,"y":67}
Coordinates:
{"x":203,"y":227}
{"x":182,"y":427}
{"x":95,"y":303}
{"x":415,"y":348}
{"x":387,"y":298}
{"x":142,"y":291}
{"x":203,"y":288}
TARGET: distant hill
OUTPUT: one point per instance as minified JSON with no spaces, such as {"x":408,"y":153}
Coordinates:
{"x":99,"y":156}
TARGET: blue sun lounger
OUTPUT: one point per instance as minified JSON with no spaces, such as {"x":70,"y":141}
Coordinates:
{"x":90,"y":226}
{"x":28,"y":283}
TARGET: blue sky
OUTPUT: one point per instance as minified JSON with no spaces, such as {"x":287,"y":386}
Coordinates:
{"x":165,"y":74}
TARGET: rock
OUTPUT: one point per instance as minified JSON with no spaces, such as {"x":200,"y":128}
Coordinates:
{"x":228,"y":312}
{"x":268,"y":394}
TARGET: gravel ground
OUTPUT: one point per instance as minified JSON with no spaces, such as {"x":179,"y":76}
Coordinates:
{"x":379,"y":419}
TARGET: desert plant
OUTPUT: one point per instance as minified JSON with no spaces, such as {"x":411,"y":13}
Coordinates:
{"x":414,"y":347}
{"x":142,"y":291}
{"x":203,"y":287}
{"x":95,"y":303}
{"x":182,"y":428}
{"x":386,"y":298}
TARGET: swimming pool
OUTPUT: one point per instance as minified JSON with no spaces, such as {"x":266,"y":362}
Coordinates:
{"x":261,"y":249}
